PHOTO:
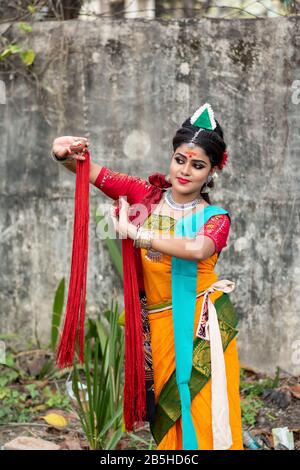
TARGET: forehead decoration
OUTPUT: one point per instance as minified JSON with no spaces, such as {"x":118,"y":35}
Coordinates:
{"x":191,"y":153}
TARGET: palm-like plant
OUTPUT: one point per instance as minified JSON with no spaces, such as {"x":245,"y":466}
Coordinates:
{"x":100,"y":404}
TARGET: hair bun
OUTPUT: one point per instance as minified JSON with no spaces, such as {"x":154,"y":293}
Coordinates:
{"x":211,"y":141}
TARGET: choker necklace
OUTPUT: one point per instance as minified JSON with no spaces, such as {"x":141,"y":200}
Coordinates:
{"x":175,"y":205}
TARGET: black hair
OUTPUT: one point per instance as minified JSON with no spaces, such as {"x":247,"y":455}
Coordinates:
{"x":212,"y":142}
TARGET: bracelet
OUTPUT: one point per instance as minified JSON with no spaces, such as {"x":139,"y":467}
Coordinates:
{"x":59,"y":160}
{"x":143,"y":238}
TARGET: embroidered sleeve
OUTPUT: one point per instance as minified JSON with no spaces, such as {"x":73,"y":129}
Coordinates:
{"x":217,"y":228}
{"x":115,"y":184}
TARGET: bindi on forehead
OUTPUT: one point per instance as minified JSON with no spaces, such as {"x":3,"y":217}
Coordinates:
{"x":191,"y":153}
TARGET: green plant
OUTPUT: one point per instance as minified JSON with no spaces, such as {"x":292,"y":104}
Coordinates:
{"x":32,"y":390}
{"x":250,"y":403}
{"x":56,"y":399}
{"x":10,"y":372}
{"x":146,"y":444}
{"x":14,"y":397}
{"x":100,"y":405}
{"x":13,"y":406}
{"x":111,"y":243}
{"x":256,"y":388}
{"x":26,"y":55}
{"x":19,"y":403}
{"x":20,"y":400}
{"x":271,"y":416}
{"x":49,"y":369}
{"x":7,"y":377}
{"x":57,"y":310}
{"x":250,"y":407}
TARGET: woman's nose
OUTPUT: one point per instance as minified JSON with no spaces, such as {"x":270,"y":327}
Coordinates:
{"x":186,"y":168}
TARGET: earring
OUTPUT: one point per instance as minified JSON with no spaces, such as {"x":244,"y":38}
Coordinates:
{"x":206,"y":189}
{"x":167,"y":178}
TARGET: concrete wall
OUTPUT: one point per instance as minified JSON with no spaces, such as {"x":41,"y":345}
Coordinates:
{"x":128,"y":85}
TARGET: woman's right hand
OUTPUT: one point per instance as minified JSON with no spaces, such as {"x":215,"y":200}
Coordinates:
{"x":70,"y":146}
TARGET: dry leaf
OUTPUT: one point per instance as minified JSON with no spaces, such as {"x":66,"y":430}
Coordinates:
{"x":295,"y":389}
{"x":58,"y":421}
{"x":71,"y":444}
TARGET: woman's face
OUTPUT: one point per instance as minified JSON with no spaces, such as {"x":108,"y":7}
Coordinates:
{"x":189,"y":164}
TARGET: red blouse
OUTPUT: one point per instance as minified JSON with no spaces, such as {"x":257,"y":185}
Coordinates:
{"x":217,"y":228}
{"x":115,"y":184}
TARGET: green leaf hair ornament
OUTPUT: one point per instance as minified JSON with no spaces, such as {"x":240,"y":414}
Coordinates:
{"x":204,"y":118}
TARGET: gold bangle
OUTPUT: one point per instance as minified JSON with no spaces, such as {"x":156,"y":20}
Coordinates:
{"x":144,"y":238}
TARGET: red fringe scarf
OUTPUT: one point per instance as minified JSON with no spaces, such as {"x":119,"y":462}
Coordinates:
{"x":73,"y":330}
{"x":72,"y":335}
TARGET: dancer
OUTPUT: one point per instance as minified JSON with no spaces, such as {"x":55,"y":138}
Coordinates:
{"x":173,"y":235}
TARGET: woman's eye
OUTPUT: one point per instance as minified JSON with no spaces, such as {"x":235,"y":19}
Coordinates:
{"x":179,"y":160}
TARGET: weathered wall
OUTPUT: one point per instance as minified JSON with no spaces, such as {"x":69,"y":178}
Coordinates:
{"x":128,"y":85}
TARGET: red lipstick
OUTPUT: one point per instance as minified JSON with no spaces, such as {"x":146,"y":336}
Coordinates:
{"x":183,"y":181}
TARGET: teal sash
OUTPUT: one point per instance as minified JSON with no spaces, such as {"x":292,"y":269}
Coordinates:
{"x":184,"y":285}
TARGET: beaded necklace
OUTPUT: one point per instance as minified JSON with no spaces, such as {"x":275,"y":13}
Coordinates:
{"x":175,"y":205}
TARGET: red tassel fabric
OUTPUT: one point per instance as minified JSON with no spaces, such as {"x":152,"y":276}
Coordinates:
{"x":134,"y":409}
{"x":73,"y":329}
{"x":159,"y":179}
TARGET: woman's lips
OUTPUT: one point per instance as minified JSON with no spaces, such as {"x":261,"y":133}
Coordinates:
{"x":183,"y":181}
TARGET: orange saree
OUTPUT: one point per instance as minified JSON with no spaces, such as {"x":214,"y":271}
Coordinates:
{"x":157,"y":281}
{"x":154,"y":277}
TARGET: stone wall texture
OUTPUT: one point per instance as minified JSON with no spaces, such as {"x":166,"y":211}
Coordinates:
{"x":128,"y":85}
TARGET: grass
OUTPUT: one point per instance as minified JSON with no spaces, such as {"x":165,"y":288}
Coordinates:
{"x":250,"y":393}
{"x":21,"y":401}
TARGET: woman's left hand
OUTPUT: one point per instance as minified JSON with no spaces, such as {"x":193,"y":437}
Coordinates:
{"x":122,"y":225}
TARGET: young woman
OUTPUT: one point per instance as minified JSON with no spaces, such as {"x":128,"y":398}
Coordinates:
{"x":190,"y":360}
